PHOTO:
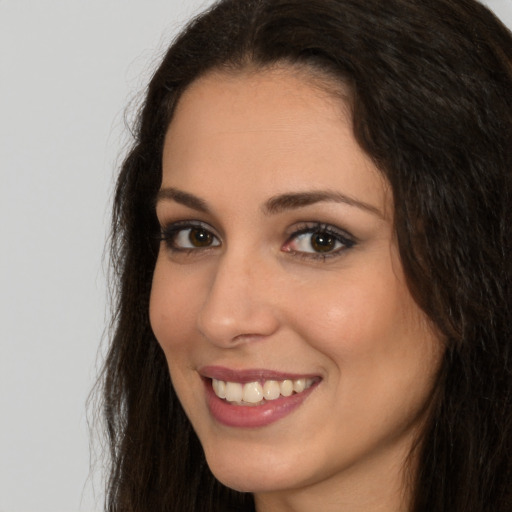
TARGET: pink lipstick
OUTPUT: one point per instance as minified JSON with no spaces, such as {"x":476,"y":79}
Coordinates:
{"x":256,"y":397}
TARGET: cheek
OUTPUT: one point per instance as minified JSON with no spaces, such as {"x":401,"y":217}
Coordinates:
{"x":350,"y":317}
{"x":373,"y":333}
{"x":172,"y":309}
{"x":172,"y":313}
{"x":380,"y":353}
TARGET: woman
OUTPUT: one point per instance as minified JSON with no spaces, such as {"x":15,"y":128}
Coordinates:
{"x":312,"y":240}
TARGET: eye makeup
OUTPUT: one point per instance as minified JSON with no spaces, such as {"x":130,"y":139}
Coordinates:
{"x":189,"y":236}
{"x":309,"y":240}
{"x":316,"y":240}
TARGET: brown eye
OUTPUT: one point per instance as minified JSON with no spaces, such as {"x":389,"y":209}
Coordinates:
{"x":199,"y":237}
{"x":320,"y":241}
{"x":188,"y":237}
{"x":323,"y":242}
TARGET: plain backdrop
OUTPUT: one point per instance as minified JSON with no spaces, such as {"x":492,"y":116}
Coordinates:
{"x":68,"y":70}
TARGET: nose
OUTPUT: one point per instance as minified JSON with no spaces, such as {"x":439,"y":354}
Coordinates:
{"x":240,"y":302}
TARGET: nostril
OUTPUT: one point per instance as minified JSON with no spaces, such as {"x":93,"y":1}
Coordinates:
{"x":249,"y":337}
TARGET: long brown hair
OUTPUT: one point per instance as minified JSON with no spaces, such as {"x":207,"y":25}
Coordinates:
{"x":431,"y":98}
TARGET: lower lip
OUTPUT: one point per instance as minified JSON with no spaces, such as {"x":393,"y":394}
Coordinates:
{"x":247,"y":416}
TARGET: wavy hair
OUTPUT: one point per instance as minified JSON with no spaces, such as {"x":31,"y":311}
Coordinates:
{"x":431,"y":99}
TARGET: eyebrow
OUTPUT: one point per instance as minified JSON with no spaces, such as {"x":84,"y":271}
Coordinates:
{"x":283,"y":202}
{"x":274,"y":205}
{"x":184,"y":198}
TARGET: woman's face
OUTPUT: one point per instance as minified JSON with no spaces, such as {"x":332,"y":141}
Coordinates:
{"x":278,"y":286}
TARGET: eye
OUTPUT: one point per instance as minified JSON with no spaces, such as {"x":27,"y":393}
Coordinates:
{"x":189,"y":236}
{"x":319,"y":240}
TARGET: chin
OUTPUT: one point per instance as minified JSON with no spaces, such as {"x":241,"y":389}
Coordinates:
{"x":257,"y":474}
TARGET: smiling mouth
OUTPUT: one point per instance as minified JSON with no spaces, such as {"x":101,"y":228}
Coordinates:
{"x":254,"y":398}
{"x":259,"y":392}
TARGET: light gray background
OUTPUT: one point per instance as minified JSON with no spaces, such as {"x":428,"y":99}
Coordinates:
{"x":68,"y":69}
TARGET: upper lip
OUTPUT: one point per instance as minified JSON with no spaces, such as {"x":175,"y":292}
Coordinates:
{"x":250,"y":374}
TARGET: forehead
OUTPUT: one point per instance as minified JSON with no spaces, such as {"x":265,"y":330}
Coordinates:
{"x":284,"y":92}
{"x":272,"y":131}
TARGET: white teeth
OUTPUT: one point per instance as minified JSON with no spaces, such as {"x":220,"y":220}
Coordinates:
{"x":286,"y":387}
{"x":271,"y":390}
{"x":252,"y":392}
{"x":299,"y":385}
{"x":233,"y":392}
{"x":255,"y":392}
{"x":219,"y":386}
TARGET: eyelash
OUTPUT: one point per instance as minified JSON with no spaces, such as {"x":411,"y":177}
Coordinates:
{"x":344,"y":239}
{"x":169,"y":234}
